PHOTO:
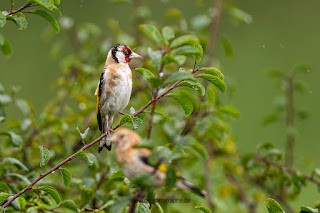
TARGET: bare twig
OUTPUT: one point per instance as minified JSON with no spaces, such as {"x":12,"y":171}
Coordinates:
{"x":20,"y":9}
{"x":287,"y":169}
{"x":214,"y":27}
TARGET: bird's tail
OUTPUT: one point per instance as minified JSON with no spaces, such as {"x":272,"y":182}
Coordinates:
{"x":186,"y":185}
{"x":105,"y":143}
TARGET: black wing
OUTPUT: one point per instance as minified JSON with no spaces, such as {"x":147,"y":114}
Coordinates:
{"x":98,"y":100}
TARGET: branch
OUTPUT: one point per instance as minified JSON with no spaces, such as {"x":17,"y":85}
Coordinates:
{"x":217,"y":10}
{"x":20,"y":9}
{"x":287,"y":169}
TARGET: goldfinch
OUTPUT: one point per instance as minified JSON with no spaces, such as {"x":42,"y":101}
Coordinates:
{"x":114,"y":88}
{"x":134,"y":162}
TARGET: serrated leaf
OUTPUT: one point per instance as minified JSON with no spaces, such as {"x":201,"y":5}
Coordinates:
{"x":229,"y":110}
{"x":171,"y":177}
{"x":203,"y":208}
{"x":149,"y":76}
{"x":273,"y":206}
{"x":22,"y":202}
{"x":184,"y":102}
{"x":49,"y":18}
{"x":117,"y":174}
{"x":14,"y":138}
{"x":17,"y":163}
{"x":69,"y":204}
{"x":66,"y":175}
{"x":143,"y":208}
{"x":52,"y":192}
{"x":2,"y":19}
{"x":213,"y":71}
{"x":181,"y":75}
{"x":305,"y":209}
{"x":184,"y":40}
{"x":194,"y":85}
{"x":46,"y":4}
{"x":214,"y":80}
{"x":168,"y":34}
{"x":152,"y":32}
{"x":126,"y":119}
{"x":137,"y":122}
{"x":45,"y":155}
{"x":19,"y":19}
{"x":86,"y":196}
{"x":187,"y":50}
{"x":87,"y":156}
{"x":3,"y":197}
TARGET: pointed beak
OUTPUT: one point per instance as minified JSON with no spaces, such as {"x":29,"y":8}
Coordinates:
{"x":113,"y":139}
{"x":135,"y":55}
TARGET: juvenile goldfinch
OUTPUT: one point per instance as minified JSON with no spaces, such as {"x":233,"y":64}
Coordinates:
{"x":114,"y":88}
{"x":134,"y":162}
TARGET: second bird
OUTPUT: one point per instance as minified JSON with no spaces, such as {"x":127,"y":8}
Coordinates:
{"x":114,"y":89}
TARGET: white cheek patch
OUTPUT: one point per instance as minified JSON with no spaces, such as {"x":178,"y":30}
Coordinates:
{"x":121,"y":57}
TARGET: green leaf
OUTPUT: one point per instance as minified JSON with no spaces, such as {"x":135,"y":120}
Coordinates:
{"x":203,"y":208}
{"x":66,"y":175}
{"x":181,"y":75}
{"x":23,"y":106}
{"x":49,"y":18}
{"x":167,"y":58}
{"x":32,"y":210}
{"x":87,"y":156}
{"x":152,"y":32}
{"x":5,"y":46}
{"x":199,"y":148}
{"x":171,"y":178}
{"x":273,"y":206}
{"x":126,"y":119}
{"x":149,"y":76}
{"x":2,"y":119}
{"x":195,"y":51}
{"x":159,"y":207}
{"x":52,"y":192}
{"x":56,"y":2}
{"x":214,"y":80}
{"x":227,"y":47}
{"x":4,"y":187}
{"x":240,"y":15}
{"x":143,"y":208}
{"x":305,"y":209}
{"x":69,"y":204}
{"x":3,"y":197}
{"x":86,"y":196}
{"x":19,"y":19}
{"x":17,"y":163}
{"x":213,"y":71}
{"x":117,"y":174}
{"x":22,"y":202}
{"x":14,"y":138}
{"x":2,"y":19}
{"x":168,"y":34}
{"x":184,"y":102}
{"x":45,"y":155}
{"x":229,"y":110}
{"x":21,"y":177}
{"x":185,"y":40}
{"x":137,"y":122}
{"x":46,"y":4}
{"x":194,"y":85}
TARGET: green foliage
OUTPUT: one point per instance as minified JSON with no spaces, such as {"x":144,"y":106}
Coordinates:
{"x":87,"y":156}
{"x":171,"y":178}
{"x":69,"y":204}
{"x":15,"y":139}
{"x":149,"y":76}
{"x":203,"y":209}
{"x":49,"y":18}
{"x":66,"y":175}
{"x":52,"y":192}
{"x":152,"y":32}
{"x":184,"y":102}
{"x":45,"y":155}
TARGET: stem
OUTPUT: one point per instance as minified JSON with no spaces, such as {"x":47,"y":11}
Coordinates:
{"x":287,"y":169}
{"x":217,"y":10}
{"x":207,"y":178}
{"x":20,"y":9}
{"x":289,"y":120}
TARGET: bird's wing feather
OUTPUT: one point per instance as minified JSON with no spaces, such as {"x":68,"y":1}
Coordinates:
{"x":98,"y":94}
{"x":144,"y":154}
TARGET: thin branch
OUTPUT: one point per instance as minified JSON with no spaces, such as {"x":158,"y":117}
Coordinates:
{"x":20,"y":9}
{"x":12,"y":4}
{"x":214,"y":27}
{"x":207,"y":178}
{"x":287,"y":169}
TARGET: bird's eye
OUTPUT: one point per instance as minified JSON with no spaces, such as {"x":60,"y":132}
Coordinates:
{"x":121,"y":136}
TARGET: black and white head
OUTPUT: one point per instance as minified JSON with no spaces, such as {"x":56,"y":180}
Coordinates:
{"x":122,"y":54}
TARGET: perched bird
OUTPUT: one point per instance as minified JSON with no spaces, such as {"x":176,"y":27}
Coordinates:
{"x":114,"y":88}
{"x":134,"y":162}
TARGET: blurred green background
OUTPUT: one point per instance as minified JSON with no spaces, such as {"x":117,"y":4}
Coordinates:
{"x":283,"y":34}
